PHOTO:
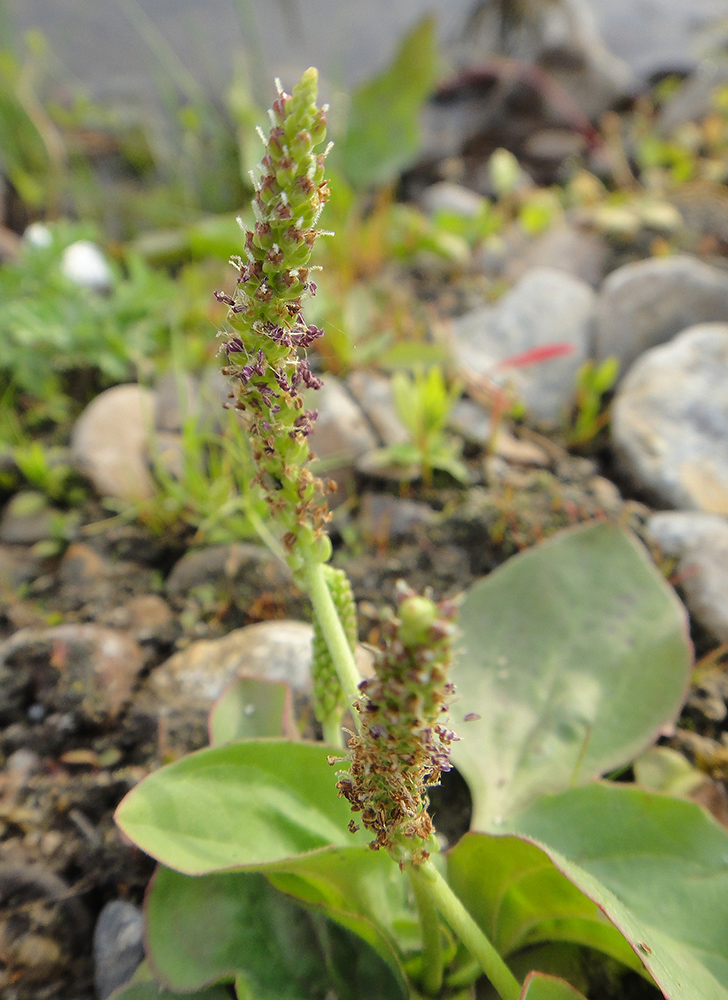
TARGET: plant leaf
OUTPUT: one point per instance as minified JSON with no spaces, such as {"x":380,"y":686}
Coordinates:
{"x":153,"y":991}
{"x":382,"y":132}
{"x":243,"y":805}
{"x":541,"y":987}
{"x":519,"y":898}
{"x":658,"y":868}
{"x":355,"y":884}
{"x":575,"y":656}
{"x":252,"y":707}
{"x":236,"y":926}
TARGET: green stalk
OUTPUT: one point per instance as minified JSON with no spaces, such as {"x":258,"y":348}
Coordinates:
{"x":333,"y":736}
{"x":333,"y":631}
{"x":430,"y":928}
{"x":266,"y":535}
{"x":469,"y":933}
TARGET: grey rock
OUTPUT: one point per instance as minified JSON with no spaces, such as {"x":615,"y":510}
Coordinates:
{"x":17,"y":567}
{"x":376,"y":465}
{"x":340,"y":435}
{"x":551,"y":146}
{"x":374,"y":395}
{"x":118,"y":946}
{"x":83,"y":565}
{"x":385,"y":518}
{"x":453,"y":199}
{"x":248,"y":569}
{"x":646,"y":303}
{"x":694,"y":100}
{"x":341,"y":431}
{"x":670,"y":421}
{"x":146,"y":617}
{"x":471,"y":422}
{"x":197,"y":675}
{"x":699,"y":542}
{"x":662,"y":36}
{"x":110,"y":439}
{"x":544,"y":308}
{"x":182,"y":690}
{"x":573,"y":249}
{"x":26,"y":519}
{"x":561,"y":38}
{"x":86,"y":670}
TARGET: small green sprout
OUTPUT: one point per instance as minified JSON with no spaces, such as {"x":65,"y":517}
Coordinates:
{"x":424,"y":404}
{"x":593,"y":381}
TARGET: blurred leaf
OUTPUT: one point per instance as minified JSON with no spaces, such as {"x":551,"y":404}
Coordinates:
{"x":235,"y":926}
{"x":153,"y":991}
{"x":660,"y":769}
{"x":359,"y":888}
{"x":252,"y":707}
{"x":244,"y":805}
{"x":540,"y":987}
{"x":575,"y":654}
{"x":658,"y":868}
{"x":382,"y":132}
{"x":520,"y":899}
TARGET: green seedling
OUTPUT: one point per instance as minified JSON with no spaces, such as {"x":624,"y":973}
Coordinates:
{"x":47,"y":470}
{"x":302,"y":870}
{"x":424,"y":404}
{"x":87,"y":340}
{"x":593,"y":381}
{"x":202,"y":482}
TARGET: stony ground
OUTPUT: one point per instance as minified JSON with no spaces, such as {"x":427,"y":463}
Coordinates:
{"x":115,"y":641}
{"x":114,"y":648}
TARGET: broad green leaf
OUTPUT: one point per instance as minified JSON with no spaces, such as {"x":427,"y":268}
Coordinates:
{"x":153,"y":991}
{"x":353,"y":884}
{"x":541,"y":987}
{"x":520,"y":898}
{"x":252,"y":707}
{"x":383,"y":130}
{"x":244,"y":805}
{"x":575,"y":655}
{"x":235,"y":926}
{"x":658,"y":868}
{"x":661,"y":769}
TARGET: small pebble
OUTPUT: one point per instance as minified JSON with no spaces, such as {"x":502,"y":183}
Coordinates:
{"x":118,"y":946}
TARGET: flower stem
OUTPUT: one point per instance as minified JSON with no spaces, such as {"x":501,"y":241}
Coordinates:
{"x":469,"y":933}
{"x":266,"y":535}
{"x":430,"y":928}
{"x":332,"y":731}
{"x":333,"y":631}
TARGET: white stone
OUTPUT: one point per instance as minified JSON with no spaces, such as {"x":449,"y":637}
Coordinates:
{"x":670,"y":421}
{"x":38,"y":235}
{"x":700,"y":544}
{"x":84,"y":263}
{"x":109,"y":443}
{"x":545,"y":308}
{"x":648,"y":302}
{"x":452,"y":199}
{"x":275,"y":651}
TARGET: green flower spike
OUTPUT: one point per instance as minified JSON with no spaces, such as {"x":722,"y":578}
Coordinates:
{"x":329,"y":700}
{"x":267,"y":344}
{"x":403,"y":746}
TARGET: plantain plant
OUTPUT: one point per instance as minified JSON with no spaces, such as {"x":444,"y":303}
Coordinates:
{"x":295,"y":869}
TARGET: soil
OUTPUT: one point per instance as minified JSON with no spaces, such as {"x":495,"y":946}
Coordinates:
{"x":67,"y":769}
